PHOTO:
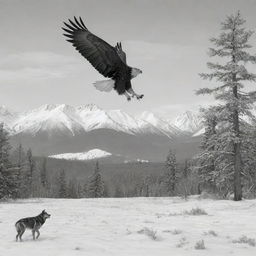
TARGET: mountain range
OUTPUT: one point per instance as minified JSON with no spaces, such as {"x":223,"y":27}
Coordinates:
{"x":58,"y":128}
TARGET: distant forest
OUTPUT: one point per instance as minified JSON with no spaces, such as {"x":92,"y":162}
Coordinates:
{"x":22,"y":176}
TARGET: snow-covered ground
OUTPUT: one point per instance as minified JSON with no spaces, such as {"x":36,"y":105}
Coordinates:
{"x":127,"y":227}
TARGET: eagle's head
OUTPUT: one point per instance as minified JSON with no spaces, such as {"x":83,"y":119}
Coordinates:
{"x":135,"y":72}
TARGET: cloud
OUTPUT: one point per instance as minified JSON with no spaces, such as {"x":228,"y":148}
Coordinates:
{"x":37,"y":65}
{"x":34,"y":60}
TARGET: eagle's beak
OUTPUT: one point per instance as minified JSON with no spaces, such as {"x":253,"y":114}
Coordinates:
{"x":140,"y":71}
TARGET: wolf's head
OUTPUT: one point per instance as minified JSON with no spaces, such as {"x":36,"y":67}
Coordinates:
{"x":45,"y":215}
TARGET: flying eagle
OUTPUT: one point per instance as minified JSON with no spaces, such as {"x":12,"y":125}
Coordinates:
{"x":107,"y":60}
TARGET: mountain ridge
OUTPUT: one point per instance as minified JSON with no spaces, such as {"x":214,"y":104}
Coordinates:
{"x":90,"y":117}
{"x":54,"y":129}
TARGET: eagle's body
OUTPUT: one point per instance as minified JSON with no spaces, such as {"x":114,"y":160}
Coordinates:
{"x":107,"y":60}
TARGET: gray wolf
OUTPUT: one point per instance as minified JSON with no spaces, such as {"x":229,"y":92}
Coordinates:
{"x":33,"y":223}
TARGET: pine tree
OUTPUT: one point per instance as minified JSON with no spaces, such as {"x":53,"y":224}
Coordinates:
{"x":206,"y":160}
{"x":85,"y":190}
{"x":96,"y":184}
{"x":232,"y":46}
{"x":106,"y":190}
{"x":184,"y":180}
{"x":62,"y":193}
{"x":30,"y":171}
{"x":147,"y":183}
{"x":79,"y":191}
{"x":72,"y":189}
{"x":8,"y":174}
{"x":18,"y":156}
{"x":170,"y":173}
{"x":43,"y":173}
{"x":249,"y":161}
{"x":186,"y":170}
{"x":18,"y":159}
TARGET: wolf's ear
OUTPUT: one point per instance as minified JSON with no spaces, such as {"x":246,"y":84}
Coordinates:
{"x":43,"y":211}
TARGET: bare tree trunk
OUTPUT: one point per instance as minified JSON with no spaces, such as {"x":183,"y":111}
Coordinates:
{"x":237,"y":173}
{"x":237,"y":153}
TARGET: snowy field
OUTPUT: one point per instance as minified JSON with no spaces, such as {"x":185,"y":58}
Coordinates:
{"x":134,"y":227}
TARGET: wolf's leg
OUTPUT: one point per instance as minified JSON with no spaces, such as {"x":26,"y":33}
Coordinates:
{"x":33,"y":233}
{"x":17,"y":236}
{"x":21,"y":233}
{"x":127,"y":96}
{"x":18,"y":229}
{"x":38,"y":233}
{"x":132,"y":92}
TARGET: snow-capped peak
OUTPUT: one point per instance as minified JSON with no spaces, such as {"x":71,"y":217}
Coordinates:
{"x":88,"y":107}
{"x":189,"y":122}
{"x":49,"y":118}
{"x":161,"y":125}
{"x":66,"y":119}
{"x":47,"y":107}
{"x":149,"y":117}
{"x":82,"y":156}
{"x":50,"y":107}
{"x":4,"y":110}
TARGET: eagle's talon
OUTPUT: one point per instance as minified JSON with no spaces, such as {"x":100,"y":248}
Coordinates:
{"x":140,"y":96}
{"x":128,"y":98}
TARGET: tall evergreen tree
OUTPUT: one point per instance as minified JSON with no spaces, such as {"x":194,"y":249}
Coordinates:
{"x":106,"y":190}
{"x":8,"y":173}
{"x":80,"y":193}
{"x":43,"y":173}
{"x":249,"y":161}
{"x":206,"y":160}
{"x":232,"y":46}
{"x":62,"y":185}
{"x":31,"y":169}
{"x":18,"y":160}
{"x":72,"y":189}
{"x":185,"y":171}
{"x":96,"y":183}
{"x":18,"y":156}
{"x":170,"y":173}
{"x":184,"y":183}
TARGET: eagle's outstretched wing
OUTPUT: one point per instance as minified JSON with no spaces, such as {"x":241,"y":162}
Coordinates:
{"x":99,"y":53}
{"x":120,"y":52}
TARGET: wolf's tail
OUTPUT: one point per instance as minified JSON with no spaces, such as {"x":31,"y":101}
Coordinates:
{"x":104,"y":85}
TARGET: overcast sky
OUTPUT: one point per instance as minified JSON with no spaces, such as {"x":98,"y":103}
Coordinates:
{"x":167,"y":39}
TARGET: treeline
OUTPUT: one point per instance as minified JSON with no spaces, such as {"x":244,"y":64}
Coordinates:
{"x":25,"y":176}
{"x":171,"y":180}
{"x":20,"y":175}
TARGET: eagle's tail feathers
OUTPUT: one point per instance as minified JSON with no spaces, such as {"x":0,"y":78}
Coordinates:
{"x":104,"y":85}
